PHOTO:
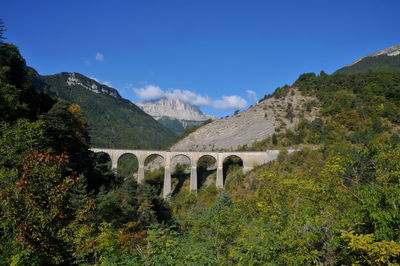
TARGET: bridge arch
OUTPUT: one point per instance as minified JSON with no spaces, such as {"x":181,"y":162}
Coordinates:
{"x":154,"y":170}
{"x":105,"y":160}
{"x":181,"y":164}
{"x":127,"y":164}
{"x":231,"y":162}
{"x":176,"y":155}
{"x":149,"y":155}
{"x":206,"y":166}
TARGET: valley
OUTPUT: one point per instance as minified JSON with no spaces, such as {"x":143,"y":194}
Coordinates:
{"x":307,"y":175}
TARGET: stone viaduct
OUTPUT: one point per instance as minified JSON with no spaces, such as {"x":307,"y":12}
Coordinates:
{"x":249,"y":159}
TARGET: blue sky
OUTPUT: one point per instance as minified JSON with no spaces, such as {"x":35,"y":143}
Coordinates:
{"x":217,"y":54}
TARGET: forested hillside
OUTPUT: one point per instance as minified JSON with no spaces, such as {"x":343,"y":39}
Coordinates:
{"x":335,"y":204}
{"x":113,"y":122}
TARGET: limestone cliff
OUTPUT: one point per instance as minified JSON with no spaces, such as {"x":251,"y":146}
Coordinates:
{"x":173,"y":108}
{"x":175,"y":114}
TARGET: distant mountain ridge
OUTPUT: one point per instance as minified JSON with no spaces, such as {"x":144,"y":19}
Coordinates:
{"x":386,"y":59}
{"x":114,"y":122}
{"x":175,"y":114}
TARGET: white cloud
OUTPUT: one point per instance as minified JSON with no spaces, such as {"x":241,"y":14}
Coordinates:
{"x":189,"y":97}
{"x":107,"y":83}
{"x":99,"y":57}
{"x":252,"y":96}
{"x":151,"y":92}
{"x":230,"y":102}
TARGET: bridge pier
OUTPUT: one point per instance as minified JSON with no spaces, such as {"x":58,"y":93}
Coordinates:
{"x":247,"y":167}
{"x":114,"y":161}
{"x":193,"y":176}
{"x":141,"y":174}
{"x":114,"y":164}
{"x":167,"y":176}
{"x":220,"y":172}
{"x":141,"y":171}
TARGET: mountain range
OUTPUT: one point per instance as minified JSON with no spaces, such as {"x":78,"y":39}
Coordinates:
{"x":116,"y":122}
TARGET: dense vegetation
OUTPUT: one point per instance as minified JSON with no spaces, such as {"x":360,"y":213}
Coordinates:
{"x":380,"y":62}
{"x":58,"y":199}
{"x":338,"y":205}
{"x":113,"y":122}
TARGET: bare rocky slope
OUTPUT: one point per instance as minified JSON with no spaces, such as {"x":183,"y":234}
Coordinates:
{"x":254,"y":124}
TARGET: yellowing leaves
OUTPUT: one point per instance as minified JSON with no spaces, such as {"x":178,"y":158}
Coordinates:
{"x":78,"y":114}
{"x":370,"y":251}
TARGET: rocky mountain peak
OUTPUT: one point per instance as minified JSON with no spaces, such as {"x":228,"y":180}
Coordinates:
{"x":173,"y":108}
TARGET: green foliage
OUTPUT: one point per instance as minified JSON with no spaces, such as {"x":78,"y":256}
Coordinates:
{"x":18,"y":98}
{"x":155,"y":178}
{"x":274,"y":139}
{"x":66,"y":132}
{"x":289,"y":112}
{"x":279,"y":92}
{"x":359,"y":106}
{"x":19,"y":138}
{"x":131,"y":202}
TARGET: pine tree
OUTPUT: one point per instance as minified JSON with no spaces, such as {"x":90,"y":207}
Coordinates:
{"x":2,"y":30}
